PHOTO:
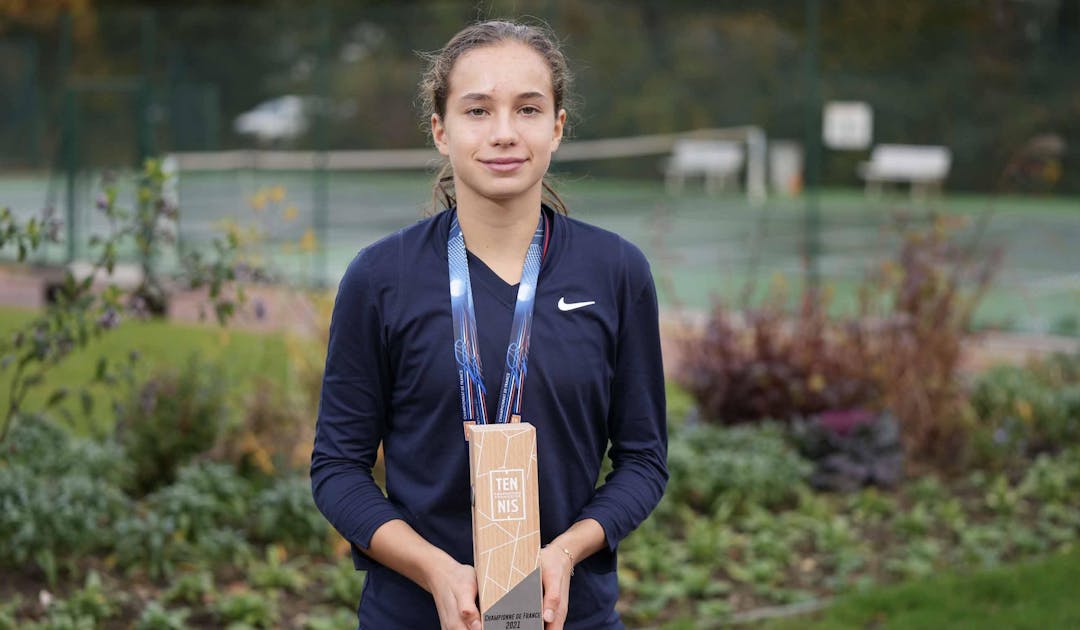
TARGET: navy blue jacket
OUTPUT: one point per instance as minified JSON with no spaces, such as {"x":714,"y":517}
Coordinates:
{"x":595,"y":378}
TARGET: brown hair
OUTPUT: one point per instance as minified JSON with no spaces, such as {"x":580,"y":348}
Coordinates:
{"x":435,"y":85}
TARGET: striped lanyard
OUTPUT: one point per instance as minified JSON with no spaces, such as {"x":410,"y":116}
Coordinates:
{"x":466,"y":347}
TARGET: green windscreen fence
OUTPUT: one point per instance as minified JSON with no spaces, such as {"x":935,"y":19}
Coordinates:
{"x":243,"y":96}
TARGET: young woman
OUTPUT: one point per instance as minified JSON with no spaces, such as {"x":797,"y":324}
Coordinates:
{"x":495,"y":96}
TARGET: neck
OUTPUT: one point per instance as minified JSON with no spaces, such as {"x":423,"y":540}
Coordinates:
{"x":499,"y":233}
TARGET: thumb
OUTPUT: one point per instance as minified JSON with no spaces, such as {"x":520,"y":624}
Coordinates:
{"x":551,"y":603}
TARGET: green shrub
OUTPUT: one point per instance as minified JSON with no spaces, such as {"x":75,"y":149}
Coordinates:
{"x":711,"y":465}
{"x":63,"y":620}
{"x":276,"y":573}
{"x":1053,"y":479}
{"x":340,"y":618}
{"x":59,"y":497}
{"x":51,"y":523}
{"x":343,"y":582}
{"x":157,"y":617}
{"x":172,"y":417}
{"x":1027,"y":410}
{"x":42,"y":447}
{"x":199,"y":518}
{"x":8,"y":612}
{"x":89,"y":607}
{"x":150,"y":542}
{"x":225,"y":546}
{"x":205,"y":497}
{"x":248,"y":609}
{"x":191,"y":588}
{"x":1058,"y":368}
{"x":285,"y":512}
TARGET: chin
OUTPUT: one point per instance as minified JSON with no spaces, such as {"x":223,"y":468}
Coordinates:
{"x":508,"y":193}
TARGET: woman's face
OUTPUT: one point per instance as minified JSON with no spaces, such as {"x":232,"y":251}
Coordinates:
{"x":500,"y":126}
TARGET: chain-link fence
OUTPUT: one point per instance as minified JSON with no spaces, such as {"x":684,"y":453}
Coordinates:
{"x":983,"y":78}
{"x":993,"y":82}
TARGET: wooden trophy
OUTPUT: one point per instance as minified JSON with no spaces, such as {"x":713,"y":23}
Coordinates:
{"x":506,"y":524}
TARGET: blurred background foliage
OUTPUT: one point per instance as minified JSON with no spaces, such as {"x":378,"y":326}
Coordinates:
{"x":982,"y":77}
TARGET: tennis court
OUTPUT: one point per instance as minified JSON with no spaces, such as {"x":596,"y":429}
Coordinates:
{"x":701,"y":247}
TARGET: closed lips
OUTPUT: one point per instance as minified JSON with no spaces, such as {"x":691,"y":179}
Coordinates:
{"x":500,"y":164}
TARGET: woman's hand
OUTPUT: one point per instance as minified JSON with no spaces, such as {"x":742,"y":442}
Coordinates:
{"x":453,"y":586}
{"x":555,"y":568}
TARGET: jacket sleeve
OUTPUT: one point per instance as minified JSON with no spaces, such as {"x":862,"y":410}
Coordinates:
{"x":637,"y":420}
{"x":352,"y":412}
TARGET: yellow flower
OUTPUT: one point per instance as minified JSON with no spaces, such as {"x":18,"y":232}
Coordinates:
{"x":308,"y":242}
{"x":277,"y":553}
{"x":778,"y":282}
{"x":1052,"y":171}
{"x":276,"y":193}
{"x":291,"y":212}
{"x":258,"y":201}
{"x":339,"y":544}
{"x":1025,"y":410}
{"x":261,"y":460}
{"x":224,"y":225}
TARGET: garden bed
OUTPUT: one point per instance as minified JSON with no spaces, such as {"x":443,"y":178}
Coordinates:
{"x":738,"y":530}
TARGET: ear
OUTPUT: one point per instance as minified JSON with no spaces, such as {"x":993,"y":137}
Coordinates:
{"x":560,"y":122}
{"x":438,"y":134}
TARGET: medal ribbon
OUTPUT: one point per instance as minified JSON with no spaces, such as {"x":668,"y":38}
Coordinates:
{"x":466,"y":346}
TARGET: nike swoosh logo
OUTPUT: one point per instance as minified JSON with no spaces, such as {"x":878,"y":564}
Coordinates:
{"x":569,"y":306}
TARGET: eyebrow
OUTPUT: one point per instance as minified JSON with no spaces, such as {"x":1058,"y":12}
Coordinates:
{"x":480,"y":97}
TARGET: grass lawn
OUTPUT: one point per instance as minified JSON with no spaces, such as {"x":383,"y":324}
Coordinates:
{"x":241,"y":355}
{"x":1039,"y":594}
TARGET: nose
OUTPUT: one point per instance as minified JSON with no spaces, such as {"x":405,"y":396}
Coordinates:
{"x":503,"y":132}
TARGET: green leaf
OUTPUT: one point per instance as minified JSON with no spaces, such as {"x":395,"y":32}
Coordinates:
{"x":87,"y":402}
{"x":224,"y":311}
{"x":56,"y":398}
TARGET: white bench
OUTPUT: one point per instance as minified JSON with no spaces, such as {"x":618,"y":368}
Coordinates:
{"x":125,"y":276}
{"x":717,"y":161}
{"x":922,"y":166}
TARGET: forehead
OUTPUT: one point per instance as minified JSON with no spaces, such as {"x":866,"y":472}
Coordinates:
{"x":506,"y":67}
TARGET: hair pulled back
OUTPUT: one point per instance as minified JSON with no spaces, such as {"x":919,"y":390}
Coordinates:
{"x":435,"y":85}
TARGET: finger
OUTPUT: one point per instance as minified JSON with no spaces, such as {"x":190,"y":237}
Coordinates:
{"x":555,"y":613}
{"x":552,"y":600}
{"x":469,"y":614}
{"x":557,"y":623}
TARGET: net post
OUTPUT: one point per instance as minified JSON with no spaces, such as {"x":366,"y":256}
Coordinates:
{"x":68,"y":135}
{"x":321,"y":184}
{"x":756,"y":165}
{"x":812,"y":220}
{"x":145,"y":132}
